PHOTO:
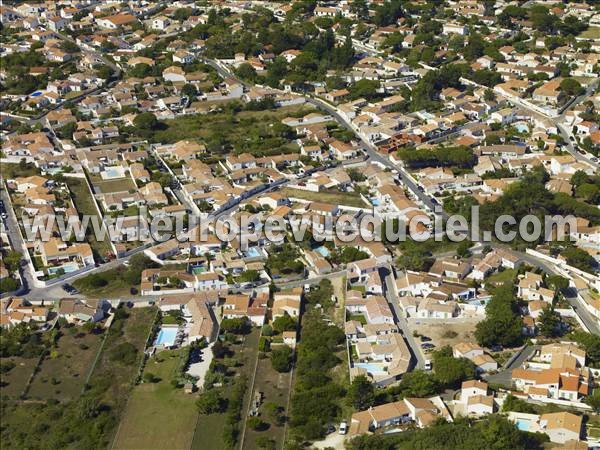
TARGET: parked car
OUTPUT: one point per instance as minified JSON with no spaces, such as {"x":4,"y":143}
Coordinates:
{"x":343,"y":428}
{"x":425,"y":339}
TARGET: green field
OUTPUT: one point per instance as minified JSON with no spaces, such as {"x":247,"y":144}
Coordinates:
{"x":331,"y":197}
{"x":63,"y":372}
{"x":158,"y":415}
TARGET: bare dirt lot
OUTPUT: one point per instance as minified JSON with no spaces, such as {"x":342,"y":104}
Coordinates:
{"x":445,"y":332}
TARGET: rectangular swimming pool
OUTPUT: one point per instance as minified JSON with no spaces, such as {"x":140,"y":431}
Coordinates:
{"x":253,"y":252}
{"x":523,"y":425}
{"x":166,"y":336}
{"x":370,"y":367}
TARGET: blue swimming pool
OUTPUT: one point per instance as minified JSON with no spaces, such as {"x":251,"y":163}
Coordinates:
{"x":253,"y":252}
{"x":323,"y":251}
{"x":371,"y":367}
{"x":166,"y":336}
{"x":523,"y":425}
{"x":68,"y":267}
{"x":375,"y":201}
{"x":113,"y":173}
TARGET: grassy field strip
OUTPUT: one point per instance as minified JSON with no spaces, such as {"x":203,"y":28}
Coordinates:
{"x":89,"y":375}
{"x":287,"y":403}
{"x":142,"y":361}
{"x":248,"y":400}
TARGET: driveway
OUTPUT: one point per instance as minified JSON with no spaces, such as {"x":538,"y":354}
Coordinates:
{"x":333,"y":440}
{"x":200,"y":368}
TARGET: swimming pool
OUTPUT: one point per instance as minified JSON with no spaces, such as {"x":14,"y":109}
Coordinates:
{"x":68,"y":267}
{"x":166,"y":336}
{"x":523,"y":425}
{"x":323,"y":251}
{"x":253,"y":252}
{"x":375,"y":201}
{"x":370,"y":367}
{"x":110,"y":173}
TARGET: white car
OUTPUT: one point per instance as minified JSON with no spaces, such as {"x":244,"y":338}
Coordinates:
{"x":343,"y":428}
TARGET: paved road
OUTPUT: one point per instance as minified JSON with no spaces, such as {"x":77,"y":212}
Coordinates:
{"x":504,"y":376}
{"x":28,"y":279}
{"x":311,"y":281}
{"x":392,"y":297}
{"x":586,"y":317}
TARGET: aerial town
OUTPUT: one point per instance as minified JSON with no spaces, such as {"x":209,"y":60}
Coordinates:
{"x":356,"y":224}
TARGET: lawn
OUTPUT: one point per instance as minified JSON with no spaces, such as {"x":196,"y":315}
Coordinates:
{"x":63,"y":372}
{"x":15,"y":380}
{"x":331,"y":197}
{"x":591,"y":33}
{"x":502,"y":277}
{"x":359,"y":317}
{"x":84,"y":202}
{"x":158,"y":415}
{"x":117,"y":185}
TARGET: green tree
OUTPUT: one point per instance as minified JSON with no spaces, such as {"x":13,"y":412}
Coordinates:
{"x":284,"y":323}
{"x":549,"y":322}
{"x":361,"y":394}
{"x":557,"y":282}
{"x":503,"y":323}
{"x":146,"y":121}
{"x":281,"y":358}
{"x":236,"y":325}
{"x":594,"y":400}
{"x":210,"y":402}
{"x":365,"y":89}
{"x":462,"y":250}
{"x":255,"y":423}
{"x":249,"y":276}
{"x":579,"y":258}
{"x":12,"y":261}
{"x":450,"y":371}
{"x":418,"y":383}
{"x":572,"y":87}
